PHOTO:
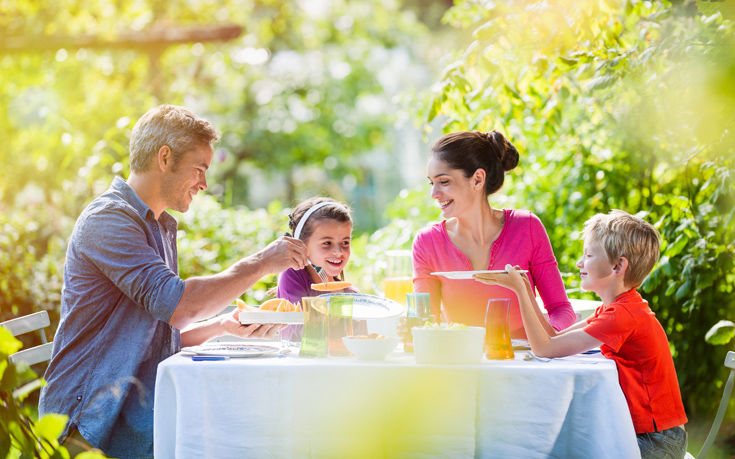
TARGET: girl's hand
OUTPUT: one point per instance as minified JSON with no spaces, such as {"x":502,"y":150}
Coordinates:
{"x":511,"y":279}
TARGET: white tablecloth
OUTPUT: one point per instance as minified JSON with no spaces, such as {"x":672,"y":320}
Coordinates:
{"x":340,"y":407}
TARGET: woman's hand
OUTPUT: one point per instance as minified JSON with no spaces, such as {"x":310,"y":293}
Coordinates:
{"x":511,"y":279}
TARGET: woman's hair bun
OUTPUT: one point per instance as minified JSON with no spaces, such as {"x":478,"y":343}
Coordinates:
{"x":506,"y":152}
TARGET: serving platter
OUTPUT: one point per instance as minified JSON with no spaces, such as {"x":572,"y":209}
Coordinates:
{"x":468,"y":274}
{"x":370,"y":306}
{"x":271,"y":317}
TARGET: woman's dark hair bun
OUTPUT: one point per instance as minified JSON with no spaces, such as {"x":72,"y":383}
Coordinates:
{"x":472,"y":150}
{"x":506,"y":151}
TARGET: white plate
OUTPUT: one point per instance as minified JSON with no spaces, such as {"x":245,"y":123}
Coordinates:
{"x":231,"y":350}
{"x":371,"y":307}
{"x":271,"y":317}
{"x":469,"y":274}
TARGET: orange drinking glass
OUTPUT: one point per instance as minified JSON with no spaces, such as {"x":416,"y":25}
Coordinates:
{"x":497,"y":330}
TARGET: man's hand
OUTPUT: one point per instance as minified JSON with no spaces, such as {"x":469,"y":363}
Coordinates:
{"x":283,"y":253}
{"x":231,"y":324}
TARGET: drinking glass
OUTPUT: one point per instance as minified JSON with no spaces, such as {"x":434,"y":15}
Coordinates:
{"x":497,"y":330}
{"x":418,"y":310}
{"x":315,"y":332}
{"x":340,"y":324}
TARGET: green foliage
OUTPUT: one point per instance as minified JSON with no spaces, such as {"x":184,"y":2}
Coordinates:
{"x":31,"y":263}
{"x":212,"y":238}
{"x":407,"y":214}
{"x":616,"y":104}
{"x":21,"y":435}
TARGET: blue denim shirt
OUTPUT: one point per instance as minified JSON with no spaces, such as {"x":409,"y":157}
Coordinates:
{"x":121,"y":286}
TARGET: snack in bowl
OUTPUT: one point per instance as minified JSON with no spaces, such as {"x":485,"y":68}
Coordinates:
{"x":370,"y":347}
{"x":330,"y":286}
{"x":448,"y":344}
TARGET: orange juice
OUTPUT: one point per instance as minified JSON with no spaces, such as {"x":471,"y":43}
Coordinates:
{"x":395,"y":288}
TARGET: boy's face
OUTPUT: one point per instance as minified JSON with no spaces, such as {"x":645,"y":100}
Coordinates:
{"x":329,"y":245}
{"x":595,"y":269}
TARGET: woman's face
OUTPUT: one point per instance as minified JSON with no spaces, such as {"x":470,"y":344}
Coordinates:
{"x":454,"y":192}
{"x":329,"y":245}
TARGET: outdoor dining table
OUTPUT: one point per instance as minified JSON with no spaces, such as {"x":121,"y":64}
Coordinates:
{"x":287,"y":406}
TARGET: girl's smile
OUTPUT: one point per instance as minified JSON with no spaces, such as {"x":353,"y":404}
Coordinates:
{"x":329,"y":245}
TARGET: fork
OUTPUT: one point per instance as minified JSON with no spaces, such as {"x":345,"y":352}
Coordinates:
{"x":321,"y":273}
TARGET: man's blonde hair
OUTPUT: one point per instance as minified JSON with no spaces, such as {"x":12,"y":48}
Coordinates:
{"x":623,"y":235}
{"x":171,"y":125}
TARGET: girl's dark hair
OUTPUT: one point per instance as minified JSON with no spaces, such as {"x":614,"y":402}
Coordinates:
{"x":334,"y":211}
{"x":472,"y":150}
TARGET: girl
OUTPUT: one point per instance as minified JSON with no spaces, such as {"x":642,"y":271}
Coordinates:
{"x":325,"y":226}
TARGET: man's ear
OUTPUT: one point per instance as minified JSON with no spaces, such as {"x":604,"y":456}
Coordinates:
{"x":478,"y":179}
{"x":165,"y":158}
{"x":621,"y":266}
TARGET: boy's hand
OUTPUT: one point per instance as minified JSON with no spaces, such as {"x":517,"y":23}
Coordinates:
{"x":511,"y":279}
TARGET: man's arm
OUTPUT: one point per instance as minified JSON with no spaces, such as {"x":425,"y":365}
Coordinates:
{"x":205,"y":296}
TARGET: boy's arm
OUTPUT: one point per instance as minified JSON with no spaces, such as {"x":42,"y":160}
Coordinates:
{"x":572,"y":340}
{"x":544,"y":344}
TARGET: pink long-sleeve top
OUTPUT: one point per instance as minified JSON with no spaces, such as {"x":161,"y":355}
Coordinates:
{"x":522,"y":241}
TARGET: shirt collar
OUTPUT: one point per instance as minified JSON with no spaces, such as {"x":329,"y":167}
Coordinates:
{"x":128,"y":194}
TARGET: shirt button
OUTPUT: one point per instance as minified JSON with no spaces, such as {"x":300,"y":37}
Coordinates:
{"x":79,"y":398}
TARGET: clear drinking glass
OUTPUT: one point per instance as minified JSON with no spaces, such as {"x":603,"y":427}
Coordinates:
{"x":497,"y":330}
{"x":315,"y":332}
{"x":418,"y":310}
{"x":340,"y":323}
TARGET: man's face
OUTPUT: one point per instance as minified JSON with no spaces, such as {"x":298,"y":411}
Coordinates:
{"x":186,"y":177}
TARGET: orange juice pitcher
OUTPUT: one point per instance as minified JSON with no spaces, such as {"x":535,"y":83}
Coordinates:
{"x":398,"y":275}
{"x":497,"y":330}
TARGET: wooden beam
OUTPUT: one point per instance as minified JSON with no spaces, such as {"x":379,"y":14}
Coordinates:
{"x":154,"y":38}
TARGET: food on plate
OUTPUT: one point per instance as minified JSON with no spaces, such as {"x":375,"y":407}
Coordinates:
{"x":279,"y":305}
{"x":274,"y":304}
{"x":330,"y":286}
{"x":242,"y":307}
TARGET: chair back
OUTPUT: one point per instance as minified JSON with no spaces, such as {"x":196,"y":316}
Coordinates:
{"x":26,"y":324}
{"x":726,"y":393}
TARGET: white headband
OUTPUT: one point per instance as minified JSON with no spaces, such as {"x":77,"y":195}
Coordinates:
{"x":306,"y":216}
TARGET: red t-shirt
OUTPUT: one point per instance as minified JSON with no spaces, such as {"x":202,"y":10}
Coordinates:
{"x":633,"y":337}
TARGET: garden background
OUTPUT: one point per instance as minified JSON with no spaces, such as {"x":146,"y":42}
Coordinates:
{"x":612,"y":104}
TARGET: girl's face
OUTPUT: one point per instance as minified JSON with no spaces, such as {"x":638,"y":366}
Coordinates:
{"x":329,"y":245}
{"x":595,"y":269}
{"x":454,"y":192}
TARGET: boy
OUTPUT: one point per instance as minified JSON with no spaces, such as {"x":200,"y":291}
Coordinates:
{"x":619,"y":252}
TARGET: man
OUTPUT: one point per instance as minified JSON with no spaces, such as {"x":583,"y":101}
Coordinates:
{"x":123,"y":304}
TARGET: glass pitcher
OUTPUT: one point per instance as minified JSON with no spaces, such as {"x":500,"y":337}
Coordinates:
{"x":497,"y":330}
{"x":398,"y":275}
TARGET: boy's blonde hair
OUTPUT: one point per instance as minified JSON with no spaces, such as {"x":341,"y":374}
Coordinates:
{"x":623,"y":235}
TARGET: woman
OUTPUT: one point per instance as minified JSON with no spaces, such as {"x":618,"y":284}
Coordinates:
{"x":464,"y":169}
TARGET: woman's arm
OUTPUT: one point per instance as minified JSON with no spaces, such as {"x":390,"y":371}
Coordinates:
{"x":546,"y":277}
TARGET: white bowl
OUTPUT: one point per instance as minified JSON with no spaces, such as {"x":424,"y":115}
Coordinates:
{"x":370,"y":348}
{"x":448,"y":345}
